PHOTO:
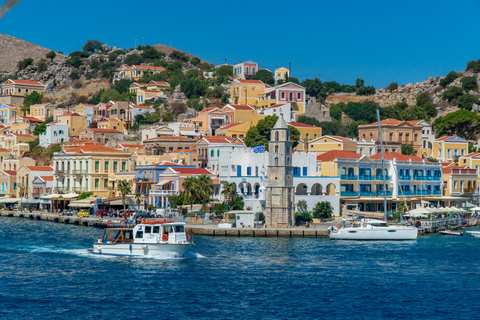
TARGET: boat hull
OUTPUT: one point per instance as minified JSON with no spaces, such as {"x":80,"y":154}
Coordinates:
{"x":139,"y":249}
{"x":390,"y":233}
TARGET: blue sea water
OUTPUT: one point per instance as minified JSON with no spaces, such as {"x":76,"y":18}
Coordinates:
{"x":47,"y":273}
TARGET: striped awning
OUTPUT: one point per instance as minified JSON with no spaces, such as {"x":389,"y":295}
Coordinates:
{"x":163,"y":182}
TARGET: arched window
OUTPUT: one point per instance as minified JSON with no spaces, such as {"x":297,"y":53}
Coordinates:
{"x":276,"y":161}
{"x":276,"y":148}
{"x":276,"y":136}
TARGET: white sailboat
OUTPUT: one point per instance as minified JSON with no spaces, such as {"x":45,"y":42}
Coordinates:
{"x":370,"y":229}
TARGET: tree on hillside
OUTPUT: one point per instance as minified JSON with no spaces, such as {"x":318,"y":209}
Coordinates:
{"x":51,"y":55}
{"x":111,"y":94}
{"x":40,"y":128}
{"x":309,"y":120}
{"x":24,"y":63}
{"x":193,"y":88}
{"x":449,"y":78}
{"x":359,"y":82}
{"x":42,"y":65}
{"x":177,"y":55}
{"x":133,"y":59}
{"x":467,"y":101}
{"x":151,"y":53}
{"x":452,"y":93}
{"x":92,"y":46}
{"x":336,"y":112}
{"x":32,"y":98}
{"x":122,"y":86}
{"x":469,"y":83}
{"x":463,"y":123}
{"x":425,"y":101}
{"x":313,"y":87}
{"x":75,"y":61}
{"x":260,"y":134}
{"x":366,"y":110}
{"x":195,"y":61}
{"x":265,"y":76}
{"x":224,"y":71}
{"x":392,"y":86}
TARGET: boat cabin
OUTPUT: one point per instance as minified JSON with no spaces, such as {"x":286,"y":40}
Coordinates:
{"x":147,"y":232}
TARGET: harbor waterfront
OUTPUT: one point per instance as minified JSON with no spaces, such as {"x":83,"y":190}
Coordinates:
{"x":48,"y":273}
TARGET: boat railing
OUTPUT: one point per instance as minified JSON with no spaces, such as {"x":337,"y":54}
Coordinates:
{"x":444,"y":223}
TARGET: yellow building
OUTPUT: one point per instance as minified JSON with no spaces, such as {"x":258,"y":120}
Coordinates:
{"x":135,"y":86}
{"x":25,"y":177}
{"x":41,"y":111}
{"x":209,"y":120}
{"x":76,"y":123}
{"x":449,"y":148}
{"x":111,"y":123}
{"x":234,"y":130}
{"x":17,"y":143}
{"x":307,"y":133}
{"x":21,"y":87}
{"x":459,"y":181}
{"x":8,"y":112}
{"x":237,"y":113}
{"x":246,"y":92}
{"x":158,"y":85}
{"x":327,"y":143}
{"x":136,"y":72}
{"x":24,"y":125}
{"x":84,"y":109}
{"x":281,"y":73}
{"x":90,"y":168}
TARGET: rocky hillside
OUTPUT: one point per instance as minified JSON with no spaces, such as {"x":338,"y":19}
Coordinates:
{"x":13,"y":50}
{"x":409,"y":92}
{"x":168,"y":50}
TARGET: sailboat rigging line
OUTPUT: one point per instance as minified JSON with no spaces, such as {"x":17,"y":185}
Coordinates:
{"x":383,"y":168}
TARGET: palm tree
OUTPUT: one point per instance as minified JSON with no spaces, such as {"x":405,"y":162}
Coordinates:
{"x":206,"y":187}
{"x":124,"y":188}
{"x":138,"y":199}
{"x":230,"y":192}
{"x":192,"y":190}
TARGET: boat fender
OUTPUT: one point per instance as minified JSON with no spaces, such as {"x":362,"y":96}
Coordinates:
{"x":109,"y":223}
{"x":99,"y":248}
{"x":188,"y":237}
{"x":145,"y":246}
{"x":165,"y":237}
{"x":339,"y":225}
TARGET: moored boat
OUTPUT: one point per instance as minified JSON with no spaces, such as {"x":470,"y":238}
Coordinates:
{"x":451,"y":233}
{"x":475,"y":234}
{"x":147,"y":238}
{"x":371,"y":229}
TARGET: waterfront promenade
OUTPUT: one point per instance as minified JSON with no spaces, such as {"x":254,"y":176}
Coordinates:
{"x":317,"y":230}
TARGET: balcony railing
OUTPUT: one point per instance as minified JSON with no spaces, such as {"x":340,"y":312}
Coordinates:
{"x":349,"y":194}
{"x":81,"y":189}
{"x":155,"y":192}
{"x":405,"y":193}
{"x":381,"y":178}
{"x":382,"y":193}
{"x":405,"y":177}
{"x":468,"y":190}
{"x":348,"y":177}
{"x":79,"y":171}
{"x":142,"y":180}
{"x":365,"y":177}
{"x":437,"y":192}
{"x":367,"y":193}
{"x":422,"y":192}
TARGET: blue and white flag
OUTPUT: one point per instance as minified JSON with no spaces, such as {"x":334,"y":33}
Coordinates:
{"x":259,"y":149}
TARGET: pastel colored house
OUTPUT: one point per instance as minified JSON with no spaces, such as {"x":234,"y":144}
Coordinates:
{"x":134,"y":110}
{"x":17,"y":143}
{"x":85,"y":109}
{"x":163,"y":144}
{"x":135,"y":86}
{"x":449,"y":148}
{"x":13,"y":164}
{"x":42,"y":186}
{"x":280,"y":74}
{"x":8,"y":183}
{"x":144,"y":95}
{"x":111,"y":123}
{"x":101,"y":136}
{"x":57,"y":132}
{"x":209,"y":149}
{"x":237,"y":113}
{"x":327,"y":143}
{"x":25,"y":177}
{"x":244,"y":70}
{"x":24,"y":125}
{"x":246,"y":92}
{"x":89,"y":168}
{"x":307,"y":133}
{"x":234,"y":130}
{"x":460,"y":181}
{"x":136,"y":72}
{"x":7,"y":112}
{"x":285,"y":110}
{"x":41,"y":111}
{"x":158,"y":85}
{"x":209,"y":120}
{"x":285,"y":93}
{"x":76,"y":123}
{"x":21,"y":87}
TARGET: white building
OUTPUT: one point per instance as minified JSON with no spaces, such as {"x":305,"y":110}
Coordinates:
{"x":248,"y":170}
{"x":245,"y":70}
{"x":286,"y":110}
{"x":57,"y":132}
{"x":366,"y":148}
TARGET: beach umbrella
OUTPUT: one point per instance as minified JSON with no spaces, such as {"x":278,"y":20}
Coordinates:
{"x":475,"y":209}
{"x":416,"y":215}
{"x":419,"y":210}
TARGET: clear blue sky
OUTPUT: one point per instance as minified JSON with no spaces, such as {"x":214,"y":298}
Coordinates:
{"x":379,"y":41}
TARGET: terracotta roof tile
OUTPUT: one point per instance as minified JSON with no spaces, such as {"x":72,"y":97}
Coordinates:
{"x":40,"y":168}
{"x":47,"y":178}
{"x":104,"y":130}
{"x":10,"y":172}
{"x":240,"y":107}
{"x":92,"y":148}
{"x":192,"y":171}
{"x":301,"y":125}
{"x":33,"y":83}
{"x":392,"y":155}
{"x":338,"y":154}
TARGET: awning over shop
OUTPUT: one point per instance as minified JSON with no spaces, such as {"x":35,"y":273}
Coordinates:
{"x":84,"y":203}
{"x":30,"y":201}
{"x":118,"y":201}
{"x":67,"y":196}
{"x":50,"y":196}
{"x":163,"y":182}
{"x":9,"y":200}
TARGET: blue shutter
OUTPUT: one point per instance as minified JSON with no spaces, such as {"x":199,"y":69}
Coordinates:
{"x":239,"y":171}
{"x":249,"y":171}
{"x":304,"y":171}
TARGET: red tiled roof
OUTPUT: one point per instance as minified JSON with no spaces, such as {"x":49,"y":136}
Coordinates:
{"x":148,"y":67}
{"x":137,"y":84}
{"x":4,"y":150}
{"x":33,"y":119}
{"x":10,"y":172}
{"x":231,"y":125}
{"x":87,"y":105}
{"x":250,"y":81}
{"x":192,"y":171}
{"x":109,"y":119}
{"x":159,"y":83}
{"x":166,"y":163}
{"x":22,"y":135}
{"x":187,"y":150}
{"x":276,"y":106}
{"x":444,"y":138}
{"x":392,"y":155}
{"x":170,"y":138}
{"x":39,"y":168}
{"x":72,"y":114}
{"x":464,"y":170}
{"x":341,"y":138}
{"x":33,"y":83}
{"x":241,"y":107}
{"x":301,"y":125}
{"x":47,"y":178}
{"x":144,"y":90}
{"x":131,"y":145}
{"x":338,"y":154}
{"x":92,"y":148}
{"x":212,"y":139}
{"x":414,"y":121}
{"x":140,"y":107}
{"x":474,"y":154}
{"x":104,"y":130}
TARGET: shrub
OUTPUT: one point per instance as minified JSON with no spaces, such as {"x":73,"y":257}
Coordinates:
{"x":167,"y":117}
{"x":42,"y":65}
{"x":75,"y":61}
{"x":392,"y":86}
{"x":365,"y":91}
{"x":133,"y":59}
{"x":466,"y":101}
{"x":51,"y":55}
{"x":452,"y":75}
{"x":177,"y":55}
{"x":452,"y":93}
{"x":95,"y":65}
{"x":195,"y":61}
{"x":469,"y":83}
{"x":24,"y":63}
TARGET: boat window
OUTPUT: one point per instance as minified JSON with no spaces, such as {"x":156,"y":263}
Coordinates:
{"x":148,"y":229}
{"x":139,"y":234}
{"x":128,"y":235}
{"x":156,"y":229}
{"x":167,"y":229}
{"x":179,"y":229}
{"x":392,"y":230}
{"x":379,"y":225}
{"x":352,"y":231}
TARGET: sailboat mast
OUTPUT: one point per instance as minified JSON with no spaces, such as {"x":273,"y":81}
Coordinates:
{"x":383,"y":168}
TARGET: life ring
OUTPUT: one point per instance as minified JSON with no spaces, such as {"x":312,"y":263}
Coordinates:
{"x":188,"y":237}
{"x":165,"y":237}
{"x":109,"y":223}
{"x":339,"y":225}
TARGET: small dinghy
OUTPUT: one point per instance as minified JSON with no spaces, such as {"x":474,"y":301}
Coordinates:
{"x":475,"y":234}
{"x":451,"y":233}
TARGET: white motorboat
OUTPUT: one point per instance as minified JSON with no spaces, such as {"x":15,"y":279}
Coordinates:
{"x":475,"y":234}
{"x":371,"y":229}
{"x":451,"y":233}
{"x":145,"y":239}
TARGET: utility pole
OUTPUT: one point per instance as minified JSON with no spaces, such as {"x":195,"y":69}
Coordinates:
{"x":289,"y":69}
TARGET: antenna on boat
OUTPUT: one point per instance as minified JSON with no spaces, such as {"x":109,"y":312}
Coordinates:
{"x":383,"y":168}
